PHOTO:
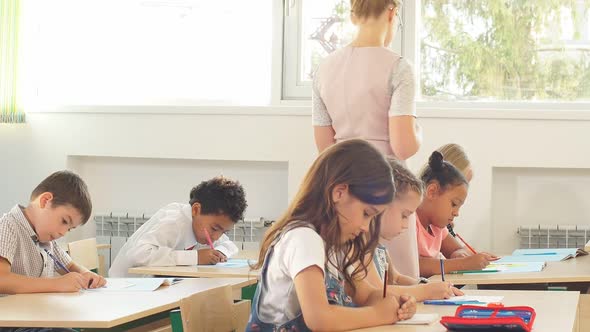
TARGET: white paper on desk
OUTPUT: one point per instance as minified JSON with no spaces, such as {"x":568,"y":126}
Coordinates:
{"x":233,"y":262}
{"x":419,"y":319}
{"x":483,"y":299}
{"x":134,"y":284}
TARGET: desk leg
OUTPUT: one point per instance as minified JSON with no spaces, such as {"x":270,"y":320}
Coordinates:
{"x":584,"y":312}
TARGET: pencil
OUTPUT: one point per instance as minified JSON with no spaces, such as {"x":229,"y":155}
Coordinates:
{"x":209,"y":239}
{"x":385,"y":280}
{"x":57,"y":262}
{"x":452,"y":232}
{"x":442,"y":269}
{"x":467,"y":245}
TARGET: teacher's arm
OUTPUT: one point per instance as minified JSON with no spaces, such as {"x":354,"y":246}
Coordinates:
{"x":324,"y":137}
{"x":405,"y":136}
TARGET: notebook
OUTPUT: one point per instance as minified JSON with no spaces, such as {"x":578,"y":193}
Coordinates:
{"x":504,"y":267}
{"x":134,"y":284}
{"x":542,"y":255}
{"x":235,"y":262}
{"x":568,"y":252}
{"x":419,"y":319}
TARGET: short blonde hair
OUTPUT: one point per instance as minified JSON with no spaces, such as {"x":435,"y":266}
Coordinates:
{"x":454,"y":154}
{"x":371,"y":8}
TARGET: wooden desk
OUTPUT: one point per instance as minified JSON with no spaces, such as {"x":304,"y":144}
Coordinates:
{"x":556,"y":311}
{"x":575,"y":270}
{"x":100,"y":310}
{"x":587,"y":246}
{"x":201,"y":271}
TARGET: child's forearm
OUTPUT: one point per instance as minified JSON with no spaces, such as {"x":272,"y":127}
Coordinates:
{"x":13,"y":283}
{"x":430,"y":266}
{"x":459,"y":253}
{"x":417,"y":291}
{"x":74,"y":267}
{"x":339,"y":318}
{"x":404,"y":280}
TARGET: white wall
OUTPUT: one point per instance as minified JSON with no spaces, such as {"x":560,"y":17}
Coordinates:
{"x":138,"y":187}
{"x":32,"y":151}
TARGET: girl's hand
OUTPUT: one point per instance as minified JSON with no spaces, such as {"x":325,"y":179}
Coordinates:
{"x":490,"y":257}
{"x":407,"y":308}
{"x":476,"y":262}
{"x":461,"y":253}
{"x":387,"y":308}
{"x":457,"y":291}
{"x":438,"y":290}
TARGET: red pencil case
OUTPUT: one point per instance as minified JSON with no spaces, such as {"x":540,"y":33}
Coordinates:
{"x":490,"y":318}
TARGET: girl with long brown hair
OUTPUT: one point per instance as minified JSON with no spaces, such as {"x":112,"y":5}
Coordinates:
{"x":331,"y":224}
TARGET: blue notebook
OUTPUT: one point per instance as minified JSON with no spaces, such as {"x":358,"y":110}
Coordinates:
{"x":503,"y":267}
{"x":542,"y":255}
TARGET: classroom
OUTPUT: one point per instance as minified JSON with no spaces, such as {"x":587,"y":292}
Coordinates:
{"x":193,"y":165}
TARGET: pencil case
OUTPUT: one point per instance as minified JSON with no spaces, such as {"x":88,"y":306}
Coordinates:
{"x":495,"y":318}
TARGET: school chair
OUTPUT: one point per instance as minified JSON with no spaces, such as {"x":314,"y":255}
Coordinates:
{"x":85,"y":253}
{"x":211,"y":311}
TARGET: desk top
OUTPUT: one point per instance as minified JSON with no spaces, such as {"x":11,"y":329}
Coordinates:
{"x":556,"y":311}
{"x":573,"y":270}
{"x":100,"y":309}
{"x":201,"y":271}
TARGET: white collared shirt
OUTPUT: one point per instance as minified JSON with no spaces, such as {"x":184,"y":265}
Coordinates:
{"x":163,"y":241}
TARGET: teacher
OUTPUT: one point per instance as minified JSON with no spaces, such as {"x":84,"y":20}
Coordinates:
{"x":366,"y":90}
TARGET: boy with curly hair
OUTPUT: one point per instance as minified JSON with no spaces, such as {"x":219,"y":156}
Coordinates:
{"x":179,"y":234}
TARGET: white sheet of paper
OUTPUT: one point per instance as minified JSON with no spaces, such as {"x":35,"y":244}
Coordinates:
{"x":419,"y":319}
{"x":133,"y":284}
{"x":231,"y":263}
{"x":117,"y":284}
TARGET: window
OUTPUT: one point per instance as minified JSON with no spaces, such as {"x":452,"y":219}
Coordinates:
{"x":492,"y":50}
{"x":313,"y":29}
{"x":504,"y":51}
{"x":149,"y":52}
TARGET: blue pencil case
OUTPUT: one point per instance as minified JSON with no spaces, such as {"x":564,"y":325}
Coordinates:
{"x":495,"y":318}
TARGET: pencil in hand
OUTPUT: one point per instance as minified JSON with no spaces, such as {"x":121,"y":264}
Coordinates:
{"x":467,"y":245}
{"x":452,"y":232}
{"x":385,"y":279}
{"x":209,"y":239}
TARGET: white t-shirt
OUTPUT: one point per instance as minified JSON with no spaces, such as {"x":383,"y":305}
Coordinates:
{"x":298,"y":249}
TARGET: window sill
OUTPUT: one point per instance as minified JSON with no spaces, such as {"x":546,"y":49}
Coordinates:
{"x":424,"y":110}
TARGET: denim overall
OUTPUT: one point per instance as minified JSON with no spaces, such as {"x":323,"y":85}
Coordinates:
{"x":334,"y":290}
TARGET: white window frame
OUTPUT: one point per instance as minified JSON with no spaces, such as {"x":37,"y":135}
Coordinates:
{"x":296,"y":93}
{"x":293,"y":89}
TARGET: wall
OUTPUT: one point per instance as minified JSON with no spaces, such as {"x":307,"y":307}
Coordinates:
{"x":43,"y":145}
